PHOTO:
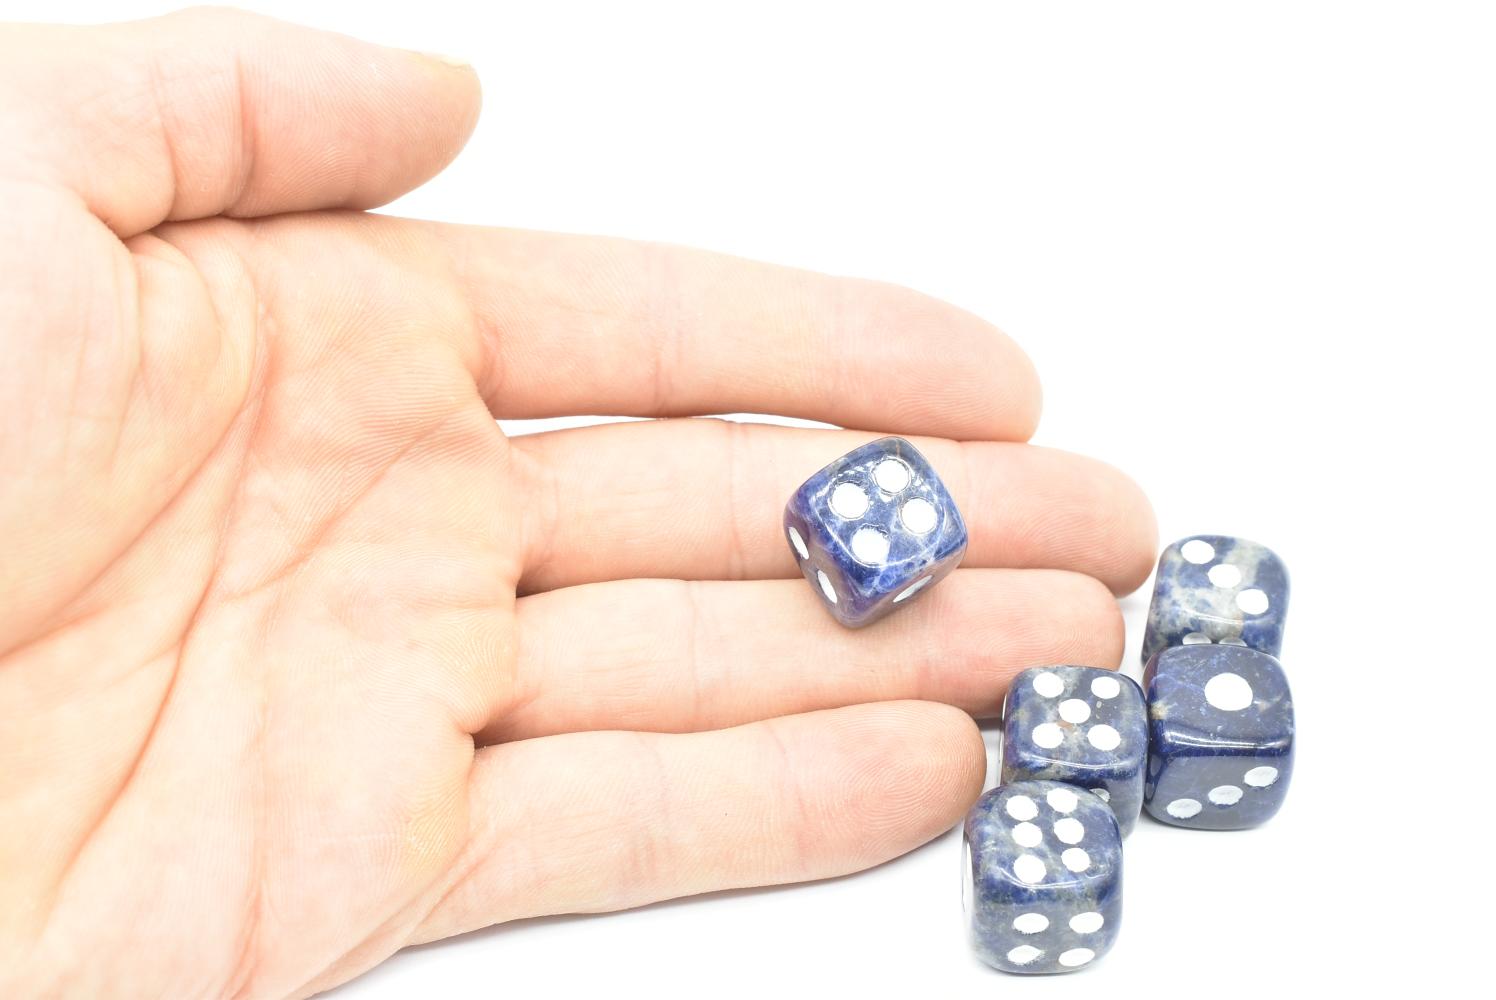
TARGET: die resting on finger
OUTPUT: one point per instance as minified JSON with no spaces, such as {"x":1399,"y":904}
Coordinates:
{"x":873,"y":530}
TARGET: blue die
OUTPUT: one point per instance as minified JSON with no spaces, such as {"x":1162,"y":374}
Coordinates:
{"x":1041,"y":877}
{"x":1221,"y":732}
{"x":873,"y":529}
{"x":1084,"y":726}
{"x":1215,"y":588}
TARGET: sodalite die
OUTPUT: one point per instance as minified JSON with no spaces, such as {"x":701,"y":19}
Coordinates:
{"x":1041,"y":877}
{"x":1215,"y":588}
{"x":1081,"y":725}
{"x":874,"y":529}
{"x":1221,"y":731}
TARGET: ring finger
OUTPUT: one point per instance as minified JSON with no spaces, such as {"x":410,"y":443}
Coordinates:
{"x":676,"y":656}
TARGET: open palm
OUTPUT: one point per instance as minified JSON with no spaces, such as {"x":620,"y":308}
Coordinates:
{"x":301,"y":661}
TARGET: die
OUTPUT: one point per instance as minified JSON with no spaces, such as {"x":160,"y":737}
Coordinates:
{"x":1084,"y":726}
{"x":1220,"y":726}
{"x":1041,"y":877}
{"x":873,"y":529}
{"x":1215,"y":588}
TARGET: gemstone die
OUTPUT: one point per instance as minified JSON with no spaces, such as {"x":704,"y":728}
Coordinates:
{"x":1042,"y":877}
{"x":1084,"y":726}
{"x":1221,"y":732}
{"x":873,"y":530}
{"x":1217,"y":589}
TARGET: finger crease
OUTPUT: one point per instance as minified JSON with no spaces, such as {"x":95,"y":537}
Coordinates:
{"x":663,"y":312}
{"x":540,"y":542}
{"x":245,"y":127}
{"x":736,"y":560}
{"x":645,"y":859}
{"x":799,"y":824}
{"x":694,"y":659}
{"x":168,"y":147}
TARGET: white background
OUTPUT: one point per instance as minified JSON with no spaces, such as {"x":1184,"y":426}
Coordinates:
{"x":1252,"y":248}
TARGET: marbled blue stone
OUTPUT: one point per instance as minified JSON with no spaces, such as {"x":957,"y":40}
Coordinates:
{"x":873,"y":529}
{"x":1221,"y":736}
{"x":1041,"y":877}
{"x":1081,"y":725}
{"x":1244,"y":605}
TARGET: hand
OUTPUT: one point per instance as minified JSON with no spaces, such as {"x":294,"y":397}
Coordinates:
{"x":301,"y":661}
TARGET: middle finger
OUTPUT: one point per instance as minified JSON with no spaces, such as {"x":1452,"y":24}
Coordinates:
{"x":697,"y":499}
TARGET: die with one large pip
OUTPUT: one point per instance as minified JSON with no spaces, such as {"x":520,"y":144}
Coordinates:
{"x":1215,"y":588}
{"x":1221,"y":734}
{"x":1041,"y":877}
{"x":1081,"y":725}
{"x":873,"y":529}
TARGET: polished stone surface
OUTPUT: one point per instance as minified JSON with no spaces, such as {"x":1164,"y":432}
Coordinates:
{"x":1215,"y":588}
{"x":873,"y":530}
{"x":1221,"y":733}
{"x":1081,"y":725}
{"x":1041,"y":877}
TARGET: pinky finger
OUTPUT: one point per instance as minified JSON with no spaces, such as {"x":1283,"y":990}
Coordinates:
{"x":587,"y":822}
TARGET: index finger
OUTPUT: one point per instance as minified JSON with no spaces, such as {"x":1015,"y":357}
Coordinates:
{"x":588,"y":325}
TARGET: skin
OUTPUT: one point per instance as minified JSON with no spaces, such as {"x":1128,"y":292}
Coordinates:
{"x":302,"y":661}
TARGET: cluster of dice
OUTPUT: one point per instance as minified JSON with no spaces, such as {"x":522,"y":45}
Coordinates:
{"x":1206,"y":742}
